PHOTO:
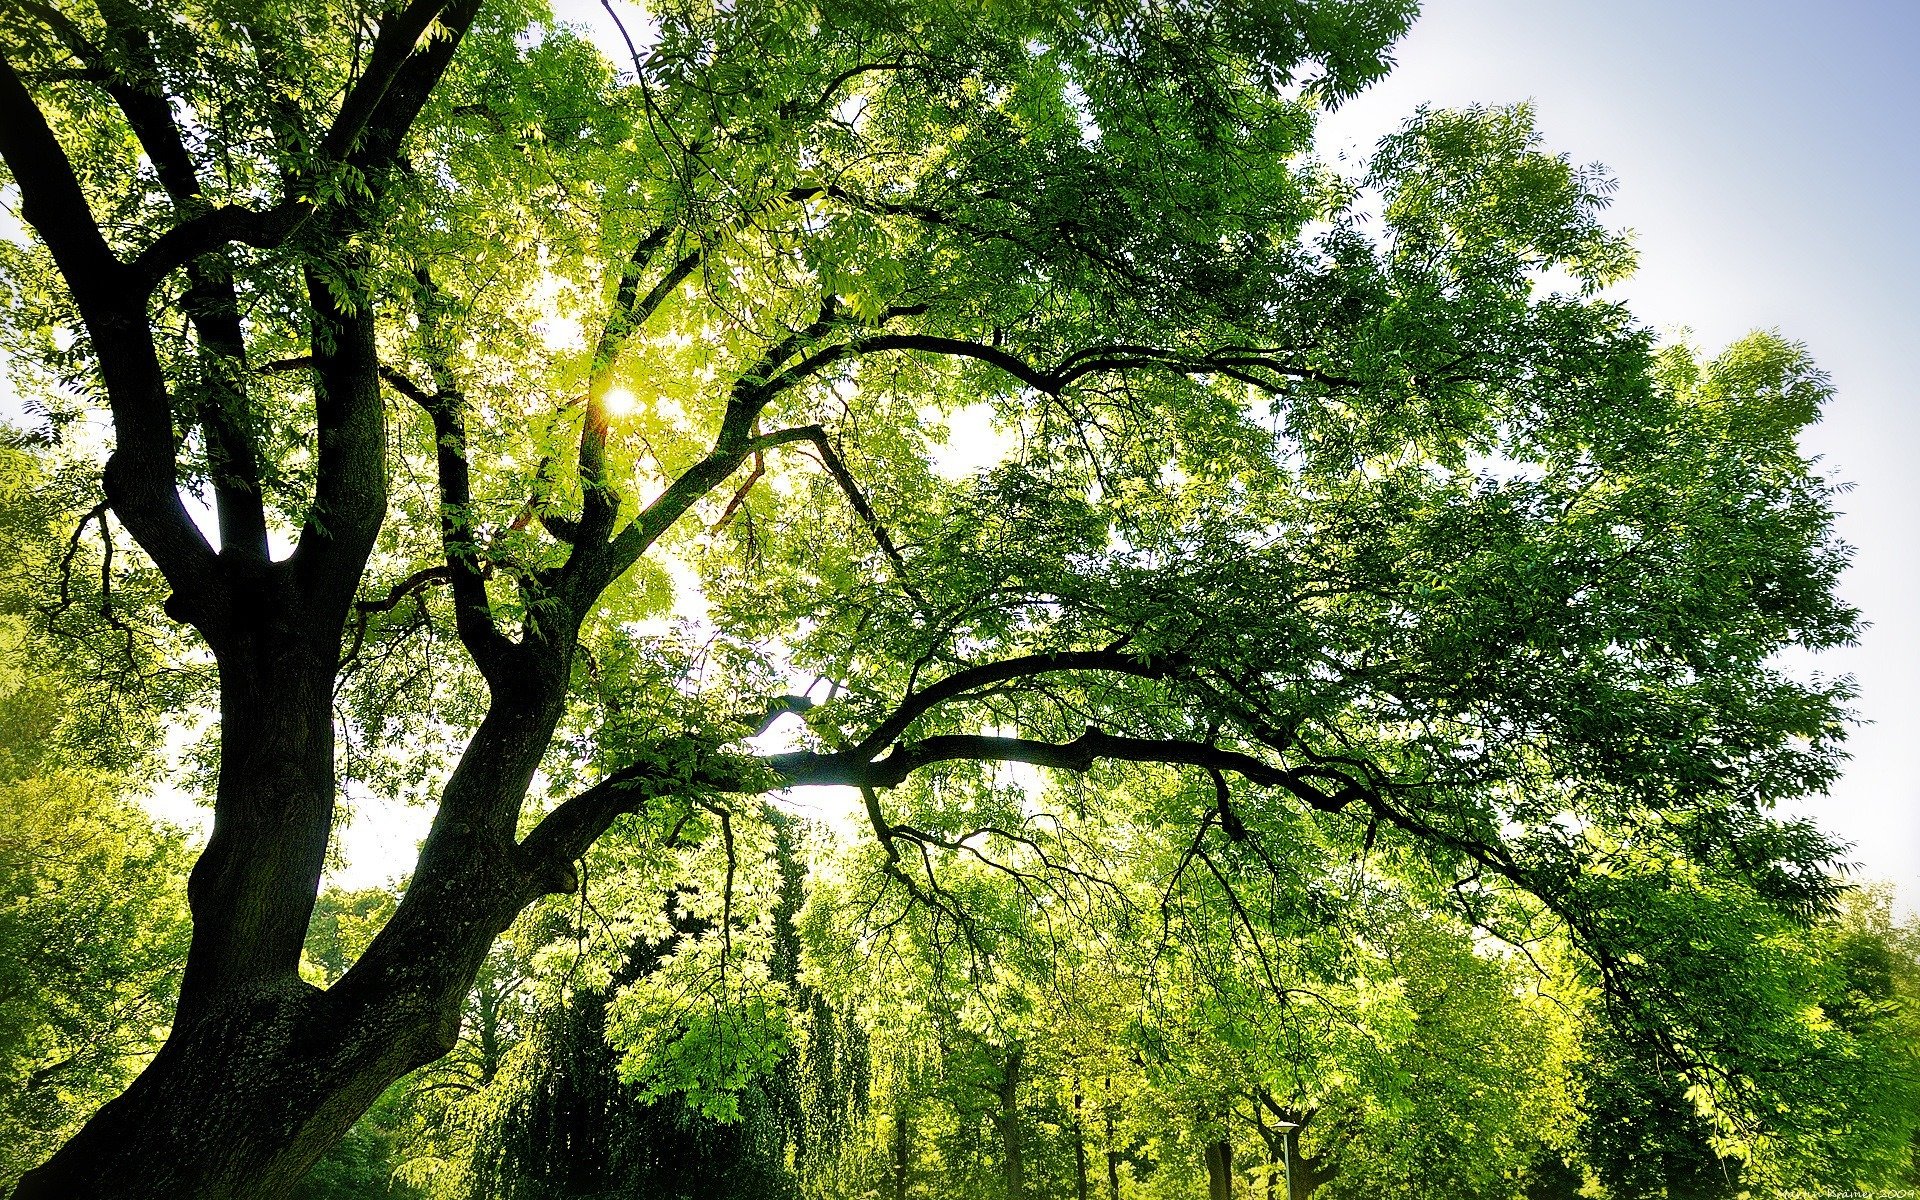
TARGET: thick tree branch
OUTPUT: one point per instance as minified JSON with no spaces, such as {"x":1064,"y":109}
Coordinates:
{"x":970,"y":679}
{"x":1012,"y":364}
{"x":367,"y":105}
{"x":734,"y":441}
{"x":52,"y":200}
{"x":222,"y":225}
{"x":350,"y":476}
{"x":847,"y":768}
{"x":600,"y":502}
{"x":837,"y":469}
{"x":778,"y":707}
{"x":374,"y":118}
{"x":141,"y":478}
{"x":687,"y":765}
{"x":472,"y":611}
{"x":210,"y":302}
{"x":1097,"y":360}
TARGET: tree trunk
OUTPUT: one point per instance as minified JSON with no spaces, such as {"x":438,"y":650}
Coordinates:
{"x":1220,"y":1170}
{"x":1305,"y":1173}
{"x":1113,"y":1155}
{"x":245,"y":1097}
{"x":238,"y":1104}
{"x":1079,"y":1146}
{"x":902,"y":1151}
{"x":263,"y":1072}
{"x":1013,"y":1150}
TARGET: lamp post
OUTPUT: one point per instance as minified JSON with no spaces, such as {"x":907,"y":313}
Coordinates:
{"x":1286,"y":1152}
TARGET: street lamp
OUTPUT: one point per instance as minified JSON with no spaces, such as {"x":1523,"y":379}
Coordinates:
{"x":1286,"y":1152}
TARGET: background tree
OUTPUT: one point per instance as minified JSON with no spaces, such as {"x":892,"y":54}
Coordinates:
{"x":93,"y":919}
{"x":92,"y":931}
{"x":431,"y":343}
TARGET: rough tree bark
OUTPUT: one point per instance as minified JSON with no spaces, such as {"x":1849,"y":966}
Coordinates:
{"x":1219,"y":1156}
{"x":902,"y":1149}
{"x":1013,"y":1159}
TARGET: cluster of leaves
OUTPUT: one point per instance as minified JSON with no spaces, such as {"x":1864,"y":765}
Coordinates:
{"x":93,"y":915}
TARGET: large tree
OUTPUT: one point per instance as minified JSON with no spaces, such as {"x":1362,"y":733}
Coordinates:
{"x":439,"y":354}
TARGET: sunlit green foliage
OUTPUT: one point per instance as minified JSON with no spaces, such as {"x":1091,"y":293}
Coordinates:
{"x":1304,"y":657}
{"x":93,"y":920}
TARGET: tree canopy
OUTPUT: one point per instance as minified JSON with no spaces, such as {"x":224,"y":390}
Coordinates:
{"x":1196,"y":561}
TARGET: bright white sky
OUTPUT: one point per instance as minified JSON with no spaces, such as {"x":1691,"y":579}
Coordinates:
{"x":1768,"y":162}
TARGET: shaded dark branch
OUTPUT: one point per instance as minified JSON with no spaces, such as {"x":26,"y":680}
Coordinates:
{"x":1236,"y":366}
{"x":751,"y":393}
{"x":1179,"y":873}
{"x":776,"y":708}
{"x":855,"y":769}
{"x":67,"y":32}
{"x":350,"y":428}
{"x":98,"y":513}
{"x":963,"y":843}
{"x":969,"y":679}
{"x":687,"y":766}
{"x":365,"y":609}
{"x":564,"y":529}
{"x":225,"y":224}
{"x":147,"y":111}
{"x":726,"y":900}
{"x":791,"y":109}
{"x":400,"y":591}
{"x":211,"y":301}
{"x":393,"y":49}
{"x":111,"y":617}
{"x":374,"y":118}
{"x":837,"y":468}
{"x":51,"y":199}
{"x":141,"y":476}
{"x":472,"y":611}
{"x":1012,"y":364}
{"x":233,"y":458}
{"x":564,"y":835}
{"x":1300,"y":1118}
{"x":676,"y":275}
{"x":406,"y":387}
{"x":1103,"y":359}
{"x":631,"y":310}
{"x":600,"y":502}
{"x":65,"y":586}
{"x":807,"y":367}
{"x":1239,"y":911}
{"x":932,"y":897}
{"x":633,"y":52}
{"x":740,"y":493}
{"x":1230,"y":821}
{"x":375,"y":144}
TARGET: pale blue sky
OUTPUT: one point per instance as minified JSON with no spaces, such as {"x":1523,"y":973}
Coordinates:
{"x":1769,"y":162}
